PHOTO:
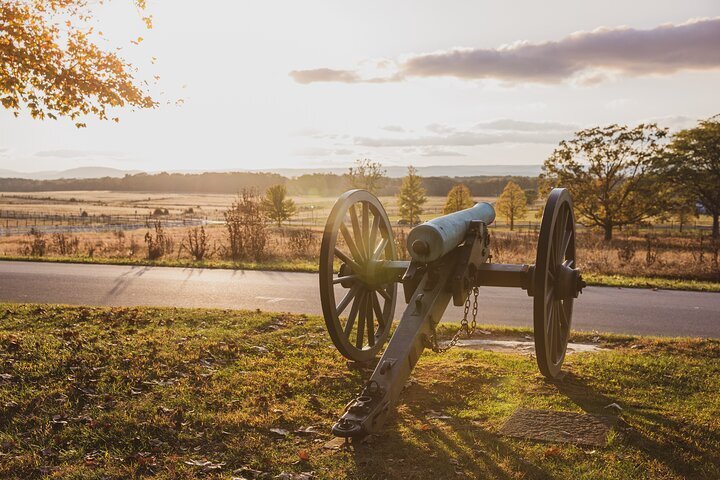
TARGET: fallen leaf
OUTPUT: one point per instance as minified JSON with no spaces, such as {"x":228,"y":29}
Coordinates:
{"x":310,"y":430}
{"x":280,"y":431}
{"x":304,"y":455}
{"x":335,"y":444}
{"x":433,"y":414}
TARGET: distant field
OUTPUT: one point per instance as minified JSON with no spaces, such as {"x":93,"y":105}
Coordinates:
{"x":117,"y":222}
{"x":210,"y":205}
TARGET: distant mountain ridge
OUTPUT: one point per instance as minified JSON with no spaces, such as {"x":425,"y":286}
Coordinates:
{"x":79,"y":172}
{"x":392,"y":171}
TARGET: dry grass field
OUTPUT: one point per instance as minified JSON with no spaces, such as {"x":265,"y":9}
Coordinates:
{"x":660,"y":252}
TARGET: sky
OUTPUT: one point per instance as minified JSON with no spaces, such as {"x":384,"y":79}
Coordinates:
{"x":317,"y":84}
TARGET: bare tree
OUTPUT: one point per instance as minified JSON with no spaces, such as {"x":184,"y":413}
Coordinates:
{"x":367,"y":175}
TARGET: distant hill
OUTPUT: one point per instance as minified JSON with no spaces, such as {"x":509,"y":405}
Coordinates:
{"x":392,"y":171}
{"x":80,"y":172}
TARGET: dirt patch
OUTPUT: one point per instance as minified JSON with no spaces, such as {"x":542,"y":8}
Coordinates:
{"x":523,"y":347}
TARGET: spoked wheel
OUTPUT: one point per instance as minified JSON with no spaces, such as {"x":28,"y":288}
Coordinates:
{"x":556,"y":282}
{"x":358,"y":302}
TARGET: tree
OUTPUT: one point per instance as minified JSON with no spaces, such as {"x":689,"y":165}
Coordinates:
{"x":693,"y":162}
{"x":52,"y":62}
{"x":612,"y":173}
{"x":512,"y":203}
{"x":278,"y":208}
{"x":367,"y":175}
{"x":411,"y":197}
{"x":458,"y":199}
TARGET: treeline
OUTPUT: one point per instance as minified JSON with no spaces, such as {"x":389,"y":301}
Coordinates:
{"x":321,"y":184}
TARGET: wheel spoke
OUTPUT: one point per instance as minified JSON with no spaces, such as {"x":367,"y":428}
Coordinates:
{"x":564,"y":317}
{"x":353,"y":314}
{"x":378,"y":311}
{"x":384,"y":293}
{"x":346,"y":299}
{"x":357,"y":255}
{"x":343,"y":256}
{"x":356,"y":229}
{"x":361,"y":324}
{"x":346,"y":278}
{"x":373,"y":232}
{"x":369,"y":321}
{"x":555,"y":333}
{"x":548,"y":294}
{"x":566,"y":242}
{"x":366,"y":228}
{"x":379,"y":249}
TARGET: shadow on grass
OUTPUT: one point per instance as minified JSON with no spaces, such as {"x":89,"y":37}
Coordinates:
{"x":413,"y":447}
{"x":685,"y":448}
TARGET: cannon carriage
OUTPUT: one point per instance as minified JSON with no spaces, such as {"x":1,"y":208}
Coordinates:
{"x":450,"y":261}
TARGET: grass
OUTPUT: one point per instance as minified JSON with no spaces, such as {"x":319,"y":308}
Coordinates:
{"x":310,"y":266}
{"x":651,"y":282}
{"x":172,"y":393}
{"x":294,"y":265}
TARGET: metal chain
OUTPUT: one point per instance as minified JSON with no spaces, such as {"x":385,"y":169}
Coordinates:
{"x":463,"y":325}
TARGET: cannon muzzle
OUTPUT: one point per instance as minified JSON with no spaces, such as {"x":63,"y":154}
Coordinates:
{"x":433,"y":239}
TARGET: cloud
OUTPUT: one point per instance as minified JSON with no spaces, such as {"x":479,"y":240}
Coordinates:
{"x":524,"y":126}
{"x":77,"y":154}
{"x":674,"y":122}
{"x":583,"y":57}
{"x":437,"y":152}
{"x":337,"y":76}
{"x":393,"y":128}
{"x":462,"y":139}
{"x":312,"y":152}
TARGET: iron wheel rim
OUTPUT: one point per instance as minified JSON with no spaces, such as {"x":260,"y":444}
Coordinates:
{"x":552,"y":316}
{"x":369,"y":308}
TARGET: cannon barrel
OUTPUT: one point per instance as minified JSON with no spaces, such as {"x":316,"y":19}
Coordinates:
{"x":433,"y":239}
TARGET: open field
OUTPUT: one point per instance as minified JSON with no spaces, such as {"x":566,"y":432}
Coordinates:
{"x":173,"y":393}
{"x":659,"y":257}
{"x":312,"y":210}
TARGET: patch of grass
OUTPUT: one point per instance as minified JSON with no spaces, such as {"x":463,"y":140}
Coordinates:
{"x":295,"y":265}
{"x":651,"y":282}
{"x":179,"y":393}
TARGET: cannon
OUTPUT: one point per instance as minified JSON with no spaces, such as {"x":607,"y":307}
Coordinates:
{"x":450,"y":260}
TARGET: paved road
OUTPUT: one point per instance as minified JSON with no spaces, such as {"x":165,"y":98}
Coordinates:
{"x":606,"y":309}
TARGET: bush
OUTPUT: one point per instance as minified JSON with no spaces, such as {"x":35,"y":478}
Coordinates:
{"x":66,"y":244}
{"x":158,"y":243}
{"x":300,"y":242}
{"x":246,"y":227}
{"x":38,"y":245}
{"x":197,"y":243}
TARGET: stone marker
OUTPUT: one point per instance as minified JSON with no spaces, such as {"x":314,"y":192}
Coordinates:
{"x":564,"y":427}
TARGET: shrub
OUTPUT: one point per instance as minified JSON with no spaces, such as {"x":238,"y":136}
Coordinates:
{"x":197,"y":243}
{"x":38,"y":245}
{"x":158,"y":242}
{"x":246,"y":227}
{"x":66,"y":244}
{"x":300,"y":242}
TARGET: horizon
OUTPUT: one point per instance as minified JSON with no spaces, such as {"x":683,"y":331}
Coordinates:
{"x":424,"y":88}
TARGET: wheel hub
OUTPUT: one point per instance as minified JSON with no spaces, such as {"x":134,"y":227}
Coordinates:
{"x":568,"y":283}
